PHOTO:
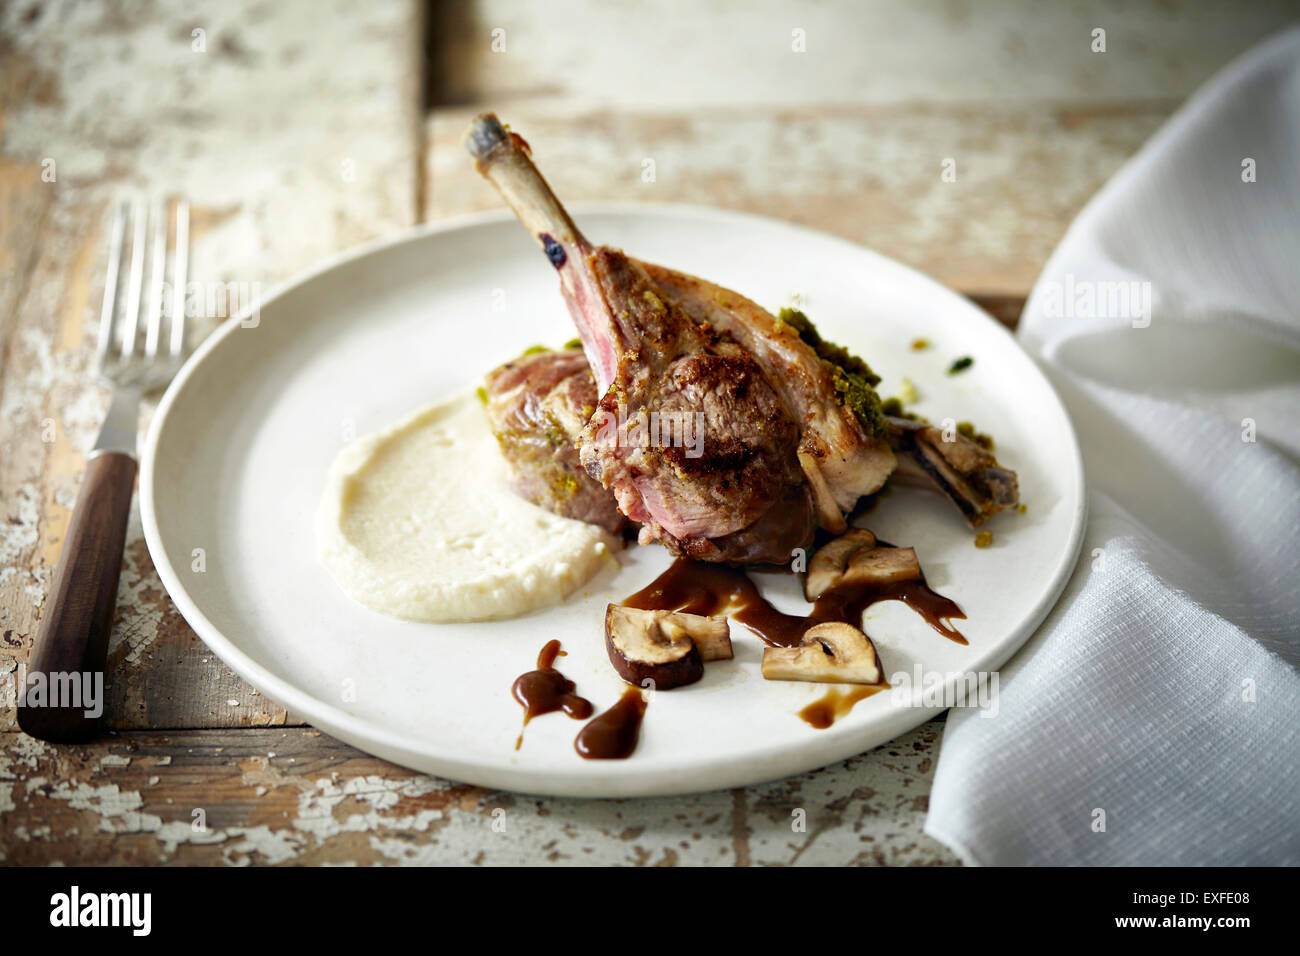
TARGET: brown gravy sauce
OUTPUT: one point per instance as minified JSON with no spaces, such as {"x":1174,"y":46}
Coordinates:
{"x":546,"y":690}
{"x":824,"y":711}
{"x":613,"y":735}
{"x":700,"y":588}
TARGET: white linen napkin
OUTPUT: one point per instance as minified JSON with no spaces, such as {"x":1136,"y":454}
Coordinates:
{"x":1155,"y":716}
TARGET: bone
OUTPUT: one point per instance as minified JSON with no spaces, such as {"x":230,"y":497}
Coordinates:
{"x":503,"y":158}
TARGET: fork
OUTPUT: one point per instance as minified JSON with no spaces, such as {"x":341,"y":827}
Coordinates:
{"x":62,"y":696}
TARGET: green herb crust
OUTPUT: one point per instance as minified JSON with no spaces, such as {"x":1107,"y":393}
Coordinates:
{"x":854,"y":382}
{"x":893,"y":407}
{"x":967,"y":430}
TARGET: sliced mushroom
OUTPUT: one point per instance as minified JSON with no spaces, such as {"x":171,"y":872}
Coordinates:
{"x":854,"y":558}
{"x":882,"y":566}
{"x":666,"y":647}
{"x":712,"y":635}
{"x":828,"y":564}
{"x":831,"y":653}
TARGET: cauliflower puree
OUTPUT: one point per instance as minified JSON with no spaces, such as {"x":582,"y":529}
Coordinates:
{"x":418,"y":521}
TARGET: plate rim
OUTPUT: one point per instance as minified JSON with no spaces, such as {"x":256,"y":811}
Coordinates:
{"x":405,"y":749}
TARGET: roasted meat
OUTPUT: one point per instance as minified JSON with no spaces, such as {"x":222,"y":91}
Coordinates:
{"x":727,"y":432}
{"x":726,"y":483}
{"x":538,"y":404}
{"x":844,"y":451}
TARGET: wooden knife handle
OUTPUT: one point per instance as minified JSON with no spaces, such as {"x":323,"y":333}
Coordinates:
{"x":72,"y":640}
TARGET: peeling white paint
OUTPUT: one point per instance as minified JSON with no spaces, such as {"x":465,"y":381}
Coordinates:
{"x":316,"y":808}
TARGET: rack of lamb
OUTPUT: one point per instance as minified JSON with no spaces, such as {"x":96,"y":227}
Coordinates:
{"x":786,"y":431}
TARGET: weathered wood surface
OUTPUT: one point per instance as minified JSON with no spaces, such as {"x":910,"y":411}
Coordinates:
{"x":298,"y":130}
{"x":294,"y":796}
{"x":872,"y":174}
{"x":251,"y":119}
{"x":689,"y":58}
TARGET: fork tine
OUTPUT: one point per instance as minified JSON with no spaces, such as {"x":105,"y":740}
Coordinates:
{"x":157,"y":277}
{"x":109,"y":309}
{"x":135,"y":283}
{"x":180,"y":273}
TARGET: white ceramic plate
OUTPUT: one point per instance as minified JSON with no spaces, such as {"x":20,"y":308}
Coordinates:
{"x":238,"y":452}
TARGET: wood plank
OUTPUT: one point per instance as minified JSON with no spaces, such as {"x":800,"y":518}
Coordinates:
{"x":1005,"y":308}
{"x":285,"y":157}
{"x":283,"y":796}
{"x":698,"y":59}
{"x":872,"y":174}
{"x":24,"y":201}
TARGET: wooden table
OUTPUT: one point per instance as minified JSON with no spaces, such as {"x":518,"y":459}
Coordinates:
{"x":298,"y":129}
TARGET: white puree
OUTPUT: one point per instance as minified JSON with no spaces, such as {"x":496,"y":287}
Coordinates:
{"x":418,"y":521}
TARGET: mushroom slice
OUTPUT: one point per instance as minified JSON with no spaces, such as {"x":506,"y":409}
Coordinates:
{"x":831,"y":653}
{"x":712,"y":635}
{"x":666,"y":647}
{"x":854,"y":558}
{"x":828,"y":564}
{"x":881,"y":566}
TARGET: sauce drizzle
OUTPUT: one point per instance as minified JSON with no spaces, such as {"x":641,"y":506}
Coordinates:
{"x":546,"y":690}
{"x":699,"y":588}
{"x":824,"y":711}
{"x":613,"y":735}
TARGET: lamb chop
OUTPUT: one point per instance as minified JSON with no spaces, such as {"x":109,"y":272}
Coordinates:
{"x":737,"y":493}
{"x":634,"y":321}
{"x":538,"y":404}
{"x":844,"y":449}
{"x":849,"y":448}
